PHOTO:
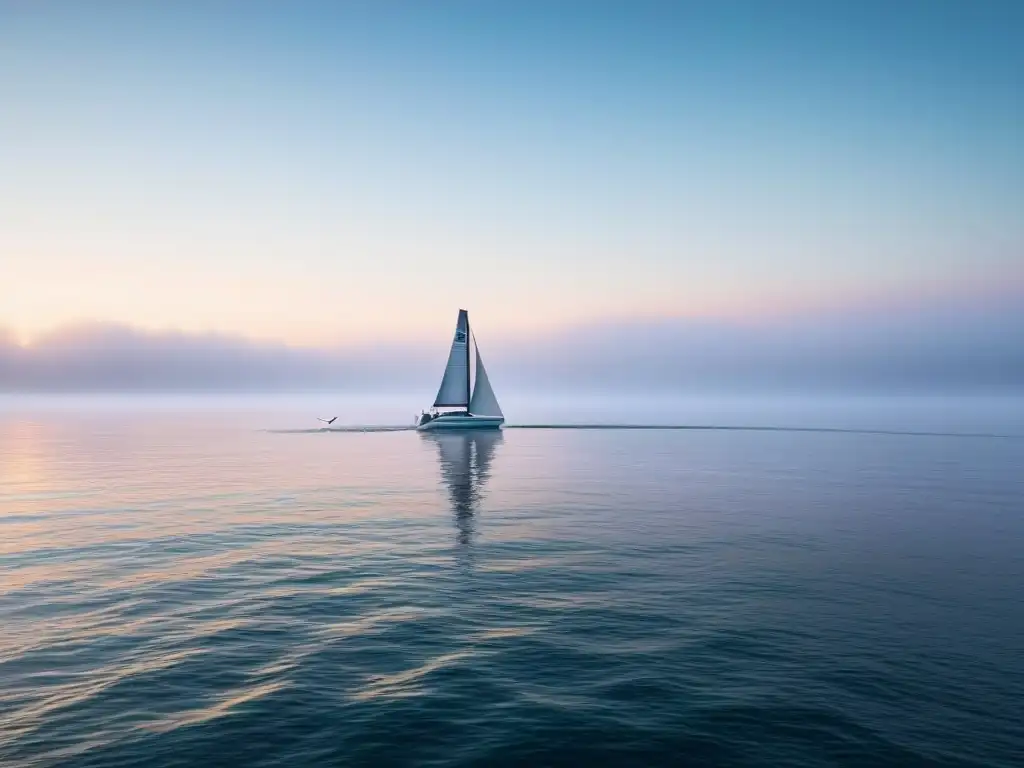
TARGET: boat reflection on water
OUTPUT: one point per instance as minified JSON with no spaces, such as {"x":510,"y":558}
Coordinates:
{"x":465,"y":459}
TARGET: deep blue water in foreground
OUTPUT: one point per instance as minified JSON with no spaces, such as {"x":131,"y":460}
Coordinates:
{"x":181,"y":585}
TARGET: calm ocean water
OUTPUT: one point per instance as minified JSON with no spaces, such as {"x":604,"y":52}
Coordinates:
{"x":207,"y":582}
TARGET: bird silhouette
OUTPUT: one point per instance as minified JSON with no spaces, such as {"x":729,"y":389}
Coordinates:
{"x":327,"y":421}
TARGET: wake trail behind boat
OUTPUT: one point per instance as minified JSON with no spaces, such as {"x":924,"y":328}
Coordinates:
{"x":677,"y":427}
{"x":737,"y":428}
{"x":340,"y":429}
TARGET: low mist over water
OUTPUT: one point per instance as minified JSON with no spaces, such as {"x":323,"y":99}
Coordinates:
{"x":950,"y":345}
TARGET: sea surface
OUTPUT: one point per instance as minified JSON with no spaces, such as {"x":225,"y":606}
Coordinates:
{"x":222,"y":582}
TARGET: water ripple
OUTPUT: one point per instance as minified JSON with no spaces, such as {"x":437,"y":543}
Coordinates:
{"x":540,"y":598}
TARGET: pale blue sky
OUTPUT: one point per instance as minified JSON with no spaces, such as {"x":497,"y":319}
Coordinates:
{"x":286,"y":169}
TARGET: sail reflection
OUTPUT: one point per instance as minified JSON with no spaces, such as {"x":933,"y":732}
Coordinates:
{"x":465,"y":459}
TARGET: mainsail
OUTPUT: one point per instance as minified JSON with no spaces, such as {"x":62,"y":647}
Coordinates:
{"x":484,"y":403}
{"x":454,"y":390}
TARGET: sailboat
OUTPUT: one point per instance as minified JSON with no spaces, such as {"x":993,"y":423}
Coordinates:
{"x":477,"y":411}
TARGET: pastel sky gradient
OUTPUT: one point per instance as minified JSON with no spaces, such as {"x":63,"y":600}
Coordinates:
{"x":301,"y":171}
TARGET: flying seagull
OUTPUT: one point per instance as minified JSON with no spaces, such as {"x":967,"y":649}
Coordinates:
{"x":327,"y":421}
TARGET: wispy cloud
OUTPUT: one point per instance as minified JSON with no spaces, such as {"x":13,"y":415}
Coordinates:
{"x":110,"y":357}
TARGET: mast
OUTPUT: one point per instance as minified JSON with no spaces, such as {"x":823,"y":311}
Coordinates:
{"x":469,"y":382}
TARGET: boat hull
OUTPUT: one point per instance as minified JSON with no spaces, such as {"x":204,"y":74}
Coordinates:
{"x":462,"y":422}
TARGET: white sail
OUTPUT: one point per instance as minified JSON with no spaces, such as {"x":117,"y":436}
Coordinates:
{"x":454,"y":389}
{"x":484,"y":403}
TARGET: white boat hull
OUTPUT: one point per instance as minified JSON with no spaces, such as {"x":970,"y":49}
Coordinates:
{"x":462,"y":422}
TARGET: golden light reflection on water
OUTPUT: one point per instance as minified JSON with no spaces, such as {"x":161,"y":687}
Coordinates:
{"x":66,"y":695}
{"x":23,"y":461}
{"x":407,"y":683}
{"x":223,"y":706}
{"x":136,"y":482}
